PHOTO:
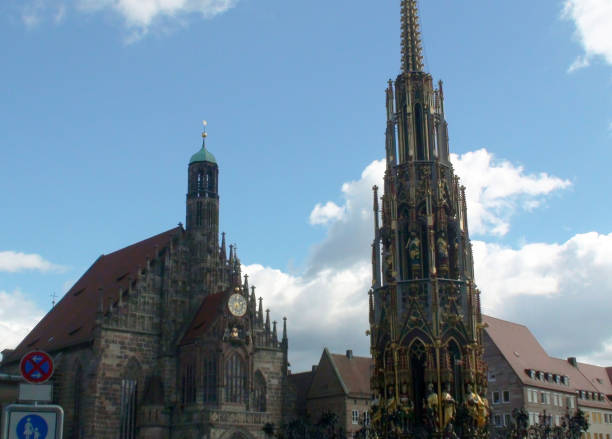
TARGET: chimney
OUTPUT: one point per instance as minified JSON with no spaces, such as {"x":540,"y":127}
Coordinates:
{"x":572,"y":361}
{"x":349,"y":353}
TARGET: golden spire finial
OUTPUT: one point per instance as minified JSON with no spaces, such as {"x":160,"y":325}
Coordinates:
{"x":412,"y":50}
{"x":204,"y":123}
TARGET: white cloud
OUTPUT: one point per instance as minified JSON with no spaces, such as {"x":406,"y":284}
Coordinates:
{"x":35,"y":12}
{"x":60,"y":14}
{"x":18,"y":315}
{"x":13,"y":262}
{"x":495,"y":189}
{"x":562,"y":292}
{"x":326,"y":213}
{"x":542,"y":285}
{"x":327,"y":308}
{"x":592,"y":19}
{"x":139,"y":16}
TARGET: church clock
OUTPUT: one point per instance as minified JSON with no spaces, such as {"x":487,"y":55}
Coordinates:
{"x":237,"y":305}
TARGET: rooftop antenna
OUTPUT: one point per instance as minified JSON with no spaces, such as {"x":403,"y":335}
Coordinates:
{"x":53,"y":297}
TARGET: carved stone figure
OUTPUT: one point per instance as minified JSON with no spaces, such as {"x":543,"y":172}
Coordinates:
{"x":414,"y":249}
{"x":483,"y":410}
{"x":442,"y":248}
{"x":472,"y":404}
{"x":448,"y":406}
{"x":431,"y":407}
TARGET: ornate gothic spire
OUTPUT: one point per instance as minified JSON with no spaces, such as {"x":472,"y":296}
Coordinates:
{"x":412,"y":49}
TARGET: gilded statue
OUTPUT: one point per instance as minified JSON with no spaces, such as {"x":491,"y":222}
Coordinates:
{"x":472,"y":404}
{"x":414,"y":249}
{"x":442,"y":247}
{"x":448,"y":406}
{"x":431,"y":407}
{"x":483,"y":410}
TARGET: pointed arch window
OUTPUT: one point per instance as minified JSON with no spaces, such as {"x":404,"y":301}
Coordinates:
{"x":418,"y":126}
{"x":235,"y":379}
{"x":454,"y":353}
{"x":209,"y":375}
{"x":260,"y":392}
{"x":210,"y":182}
{"x":129,"y":398}
{"x":200,"y":183}
{"x":418,"y":358}
{"x":188,"y":382}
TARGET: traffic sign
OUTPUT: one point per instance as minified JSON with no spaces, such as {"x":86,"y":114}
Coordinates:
{"x":36,"y":367}
{"x":33,"y":422}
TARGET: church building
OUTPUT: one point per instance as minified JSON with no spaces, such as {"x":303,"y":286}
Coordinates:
{"x":165,"y":338}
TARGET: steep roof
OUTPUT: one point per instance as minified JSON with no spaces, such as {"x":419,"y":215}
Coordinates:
{"x":523,"y":352}
{"x":72,"y":320}
{"x":600,"y":380}
{"x":204,"y":317}
{"x":355,"y":373}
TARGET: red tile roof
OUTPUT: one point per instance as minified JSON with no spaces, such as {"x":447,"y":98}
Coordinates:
{"x":355,"y":373}
{"x":523,"y":352}
{"x":207,"y":313}
{"x":72,"y":320}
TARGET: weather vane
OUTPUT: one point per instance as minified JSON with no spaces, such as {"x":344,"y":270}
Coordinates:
{"x":204,"y":123}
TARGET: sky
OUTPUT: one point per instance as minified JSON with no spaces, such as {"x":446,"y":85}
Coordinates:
{"x":101,"y":103}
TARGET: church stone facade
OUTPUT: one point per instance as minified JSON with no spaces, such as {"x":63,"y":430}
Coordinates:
{"x":165,"y":338}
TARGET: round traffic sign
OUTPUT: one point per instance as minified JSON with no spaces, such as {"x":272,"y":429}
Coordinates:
{"x":32,"y":426}
{"x":36,"y":367}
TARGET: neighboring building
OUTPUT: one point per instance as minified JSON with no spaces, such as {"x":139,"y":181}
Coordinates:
{"x":339,"y":384}
{"x":425,"y":320}
{"x":299,"y":385}
{"x":9,"y":389}
{"x":164,"y":339}
{"x":522,"y":375}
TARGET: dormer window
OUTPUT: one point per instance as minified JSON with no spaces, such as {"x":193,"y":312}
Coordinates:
{"x":557,"y":379}
{"x":531,"y":373}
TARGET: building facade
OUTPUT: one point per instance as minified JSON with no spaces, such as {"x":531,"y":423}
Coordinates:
{"x":339,"y":384}
{"x":424,"y":305}
{"x":165,"y":338}
{"x":522,"y":375}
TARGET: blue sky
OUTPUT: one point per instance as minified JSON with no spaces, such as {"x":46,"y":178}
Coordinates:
{"x":101,"y":103}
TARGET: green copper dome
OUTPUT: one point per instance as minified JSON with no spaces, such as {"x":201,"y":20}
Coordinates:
{"x":202,"y":155}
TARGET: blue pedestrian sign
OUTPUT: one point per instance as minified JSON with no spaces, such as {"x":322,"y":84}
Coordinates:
{"x":32,"y":427}
{"x":33,"y":422}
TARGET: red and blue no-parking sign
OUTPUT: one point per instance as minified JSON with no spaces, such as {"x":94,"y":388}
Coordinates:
{"x":36,"y":367}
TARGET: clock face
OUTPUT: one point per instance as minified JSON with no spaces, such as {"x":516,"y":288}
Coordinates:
{"x":237,"y":305}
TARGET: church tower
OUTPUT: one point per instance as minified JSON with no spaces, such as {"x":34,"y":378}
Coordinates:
{"x":425,"y":316}
{"x":210,"y":268}
{"x":203,"y":194}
